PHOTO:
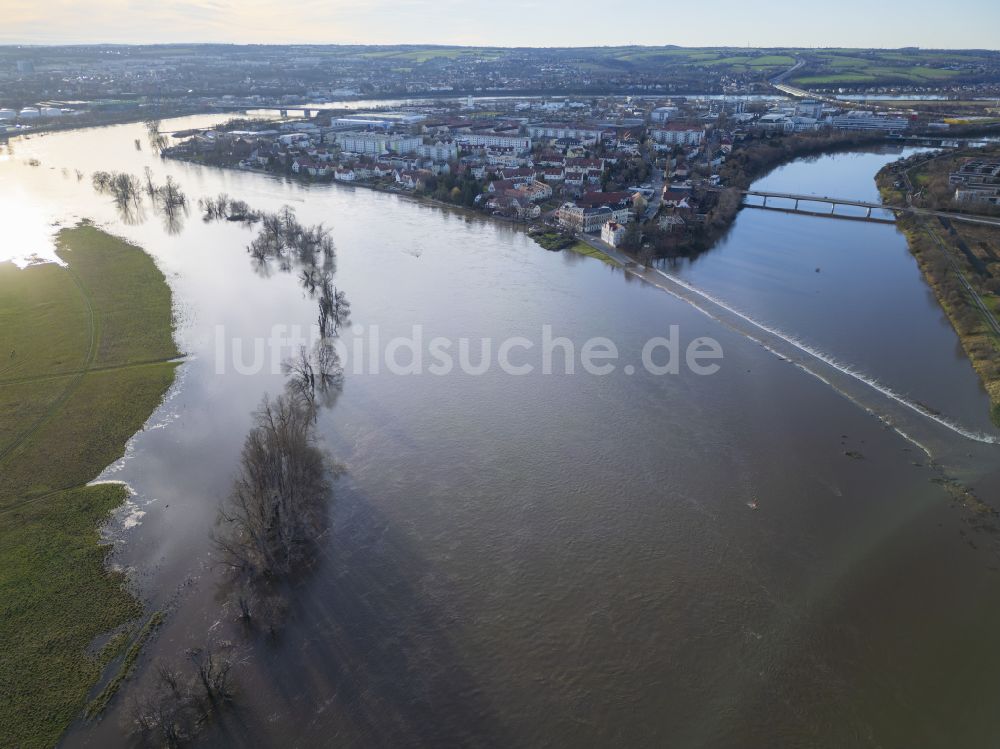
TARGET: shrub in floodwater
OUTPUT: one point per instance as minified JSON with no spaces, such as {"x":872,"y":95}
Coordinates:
{"x":183,"y":698}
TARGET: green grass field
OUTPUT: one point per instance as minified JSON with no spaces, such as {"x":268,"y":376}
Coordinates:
{"x":582,"y":248}
{"x":84,"y":360}
{"x":830,"y":67}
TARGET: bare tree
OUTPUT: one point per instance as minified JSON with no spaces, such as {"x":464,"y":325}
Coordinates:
{"x":151,"y":187}
{"x":178,"y":704}
{"x":334,"y":309}
{"x":277,"y":506}
{"x":156,"y":141}
{"x":213,"y":673}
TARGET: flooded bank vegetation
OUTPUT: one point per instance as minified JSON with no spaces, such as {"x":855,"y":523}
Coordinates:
{"x":269,"y":527}
{"x":183,"y":698}
{"x":278,"y":505}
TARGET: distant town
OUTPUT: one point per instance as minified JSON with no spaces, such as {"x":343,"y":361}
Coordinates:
{"x":645,"y":148}
{"x":653,"y":173}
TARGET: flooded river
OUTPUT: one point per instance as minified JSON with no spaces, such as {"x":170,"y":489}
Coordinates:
{"x":750,"y":558}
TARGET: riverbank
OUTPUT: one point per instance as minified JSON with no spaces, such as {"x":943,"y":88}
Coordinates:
{"x":129,"y":117}
{"x":959,"y":261}
{"x":86,"y":356}
{"x":948,"y":274}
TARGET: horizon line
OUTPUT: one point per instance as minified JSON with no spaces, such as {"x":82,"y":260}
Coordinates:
{"x":483,"y":46}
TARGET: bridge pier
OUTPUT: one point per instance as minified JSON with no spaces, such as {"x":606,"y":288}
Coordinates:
{"x":869,"y":214}
{"x":796,"y":204}
{"x":283,"y":112}
{"x":765,"y":201}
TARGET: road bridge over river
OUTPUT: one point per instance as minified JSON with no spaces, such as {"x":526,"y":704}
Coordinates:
{"x":797,"y":198}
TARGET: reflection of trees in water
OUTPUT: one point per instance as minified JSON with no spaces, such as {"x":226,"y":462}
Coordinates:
{"x":316,"y":374}
{"x":126,"y":190}
{"x":173,"y":217}
{"x":223,"y":207}
{"x":366,"y":633}
{"x":285,"y":244}
{"x":131,"y":213}
{"x":334,"y":309}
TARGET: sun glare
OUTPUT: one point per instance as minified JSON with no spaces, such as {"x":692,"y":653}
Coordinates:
{"x":28,"y":236}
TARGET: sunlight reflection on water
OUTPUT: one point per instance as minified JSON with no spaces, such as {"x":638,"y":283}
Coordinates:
{"x":26,"y":232}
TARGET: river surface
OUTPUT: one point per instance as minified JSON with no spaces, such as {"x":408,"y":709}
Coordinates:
{"x":765,"y":556}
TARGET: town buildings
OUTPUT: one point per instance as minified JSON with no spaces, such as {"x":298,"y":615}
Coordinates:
{"x":863,"y":120}
{"x":977,"y":181}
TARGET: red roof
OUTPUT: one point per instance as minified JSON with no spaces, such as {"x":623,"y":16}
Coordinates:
{"x":603,"y":198}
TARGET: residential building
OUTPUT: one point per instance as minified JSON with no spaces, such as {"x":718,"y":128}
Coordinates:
{"x":518,"y":143}
{"x":586,"y":134}
{"x":438,"y":151}
{"x":613,"y":233}
{"x":589,"y":219}
{"x":676,"y":134}
{"x":377,"y":143}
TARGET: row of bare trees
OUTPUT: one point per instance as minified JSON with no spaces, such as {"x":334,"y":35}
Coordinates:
{"x":127,"y":191}
{"x":222,"y":207}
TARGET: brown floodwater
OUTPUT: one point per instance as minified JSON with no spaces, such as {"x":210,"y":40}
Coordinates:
{"x":766,"y":556}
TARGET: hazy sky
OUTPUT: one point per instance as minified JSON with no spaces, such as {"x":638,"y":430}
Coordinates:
{"x":855,"y":23}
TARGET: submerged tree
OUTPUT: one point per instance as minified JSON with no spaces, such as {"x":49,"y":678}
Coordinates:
{"x":183,"y":697}
{"x":284,"y":239}
{"x":157,"y":141}
{"x":277,"y":506}
{"x":125,"y":188}
{"x":334,"y":309}
{"x":170,"y":195}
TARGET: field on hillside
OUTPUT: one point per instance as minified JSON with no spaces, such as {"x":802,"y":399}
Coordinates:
{"x":855,"y":67}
